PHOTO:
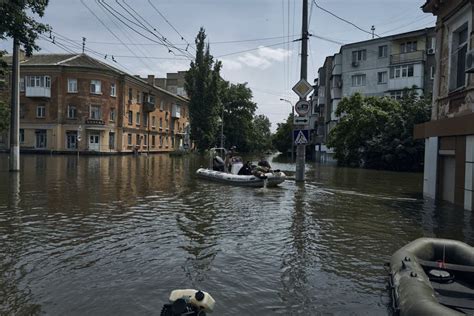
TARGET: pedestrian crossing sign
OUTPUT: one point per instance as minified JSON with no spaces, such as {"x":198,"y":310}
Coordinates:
{"x":301,"y":137}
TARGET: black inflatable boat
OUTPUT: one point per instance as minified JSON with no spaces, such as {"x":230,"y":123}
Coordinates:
{"x":431,"y":276}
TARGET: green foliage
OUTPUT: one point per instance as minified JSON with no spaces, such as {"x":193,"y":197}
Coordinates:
{"x":261,"y":139}
{"x":202,"y":86}
{"x":238,"y":115}
{"x":4,"y":117}
{"x":17,"y":22}
{"x":377,"y":133}
{"x":282,"y":139}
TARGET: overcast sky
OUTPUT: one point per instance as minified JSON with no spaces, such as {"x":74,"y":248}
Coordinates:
{"x":270,"y":71}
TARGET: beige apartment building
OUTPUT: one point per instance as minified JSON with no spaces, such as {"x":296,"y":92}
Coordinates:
{"x":449,"y":136}
{"x":73,"y":102}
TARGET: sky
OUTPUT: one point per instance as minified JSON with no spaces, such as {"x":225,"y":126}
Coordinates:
{"x":253,"y":38}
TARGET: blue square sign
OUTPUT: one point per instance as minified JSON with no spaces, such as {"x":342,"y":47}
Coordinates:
{"x":301,"y":137}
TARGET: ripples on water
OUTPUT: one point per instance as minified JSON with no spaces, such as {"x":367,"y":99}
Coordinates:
{"x":114,"y":235}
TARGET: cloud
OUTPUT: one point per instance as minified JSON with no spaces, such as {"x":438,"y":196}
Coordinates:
{"x":229,"y":64}
{"x":262,"y":59}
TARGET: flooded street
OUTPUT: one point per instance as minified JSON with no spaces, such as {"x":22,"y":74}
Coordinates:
{"x":114,"y":235}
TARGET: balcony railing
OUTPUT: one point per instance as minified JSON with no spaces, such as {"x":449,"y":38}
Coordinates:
{"x":410,"y":57}
{"x":175,"y":111}
{"x":148,"y":106}
{"x":41,"y":92}
{"x":94,"y":122}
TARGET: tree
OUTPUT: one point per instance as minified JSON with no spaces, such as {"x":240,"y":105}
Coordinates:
{"x":202,"y":83}
{"x":238,"y":115}
{"x":377,"y":132}
{"x":17,"y":23}
{"x":282,"y":139}
{"x":261,"y":139}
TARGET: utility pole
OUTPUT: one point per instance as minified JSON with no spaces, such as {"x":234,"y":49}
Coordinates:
{"x":222,"y":127}
{"x":301,"y":149}
{"x":15,"y":110}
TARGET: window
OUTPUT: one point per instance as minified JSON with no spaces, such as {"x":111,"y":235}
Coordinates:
{"x":145,"y":119}
{"x":71,"y":112}
{"x":71,"y":140}
{"x":138,"y":139}
{"x":161,"y":141}
{"x":397,"y":95}
{"x":113,"y":92}
{"x":22,"y":84}
{"x":359,"y":55}
{"x":22,"y":135}
{"x":112,"y":115}
{"x":458,"y":57}
{"x":38,"y":82}
{"x":145,"y":140}
{"x":161,"y":122}
{"x":94,"y":112}
{"x":408,"y":47}
{"x":72,"y":85}
{"x":432,"y":72}
{"x":153,"y":139}
{"x":162,"y":105}
{"x":383,"y":51}
{"x":358,"y":80}
{"x":40,"y":138}
{"x":137,"y":121}
{"x":402,"y":71}
{"x":41,"y":111}
{"x":139,"y":97}
{"x":96,"y":87}
{"x":130,"y":95}
{"x":111,"y":140}
{"x":130,"y":118}
{"x":129,"y":139}
{"x":382,"y":77}
{"x":153,"y":121}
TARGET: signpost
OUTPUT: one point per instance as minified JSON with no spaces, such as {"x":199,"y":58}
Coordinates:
{"x":302,"y":107}
{"x":301,"y":137}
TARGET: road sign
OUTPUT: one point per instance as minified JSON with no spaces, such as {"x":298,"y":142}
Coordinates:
{"x":301,"y":137}
{"x":302,"y":107}
{"x":301,"y":120}
{"x":303,"y":88}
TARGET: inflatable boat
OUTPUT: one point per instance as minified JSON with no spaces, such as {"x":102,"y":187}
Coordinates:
{"x":431,"y":276}
{"x":270,"y":179}
{"x":233,"y":171}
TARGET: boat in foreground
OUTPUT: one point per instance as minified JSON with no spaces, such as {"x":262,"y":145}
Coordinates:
{"x":432,"y":276}
{"x":253,"y":176}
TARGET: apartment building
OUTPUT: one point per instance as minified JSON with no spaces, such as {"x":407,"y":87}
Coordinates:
{"x":378,"y":67}
{"x":73,"y":102}
{"x":449,"y":136}
{"x":174,"y":83}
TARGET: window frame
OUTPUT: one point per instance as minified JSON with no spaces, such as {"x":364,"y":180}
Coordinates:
{"x":96,"y":83}
{"x":99,"y":114}
{"x":73,"y":109}
{"x":384,"y":50}
{"x":73,"y":82}
{"x":359,"y":77}
{"x":43,"y":111}
{"x":379,"y":77}
{"x":113,"y":90}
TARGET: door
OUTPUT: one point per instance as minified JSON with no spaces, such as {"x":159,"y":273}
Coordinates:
{"x":448,"y":166}
{"x":94,"y":143}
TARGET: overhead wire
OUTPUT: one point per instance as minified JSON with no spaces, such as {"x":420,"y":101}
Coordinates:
{"x":344,"y":20}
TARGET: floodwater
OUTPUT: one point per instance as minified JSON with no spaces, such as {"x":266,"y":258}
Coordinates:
{"x":114,"y":235}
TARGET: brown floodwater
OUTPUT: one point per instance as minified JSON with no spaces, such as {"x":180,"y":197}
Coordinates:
{"x":114,"y":235}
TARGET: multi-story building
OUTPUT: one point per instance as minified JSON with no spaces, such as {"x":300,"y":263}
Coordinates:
{"x":449,"y":136}
{"x":383,"y":66}
{"x":174,"y":82}
{"x":73,"y":102}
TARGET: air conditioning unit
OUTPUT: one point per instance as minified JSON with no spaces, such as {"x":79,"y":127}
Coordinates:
{"x":430,"y":51}
{"x":355,"y":64}
{"x":470,"y":61}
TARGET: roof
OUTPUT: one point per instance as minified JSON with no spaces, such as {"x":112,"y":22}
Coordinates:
{"x":81,"y":61}
{"x":391,"y":37}
{"x":428,"y":6}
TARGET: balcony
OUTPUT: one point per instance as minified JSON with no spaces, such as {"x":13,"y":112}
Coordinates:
{"x":149,"y":104}
{"x":175,"y":111}
{"x":94,"y":122}
{"x":38,"y":92}
{"x":411,"y":57}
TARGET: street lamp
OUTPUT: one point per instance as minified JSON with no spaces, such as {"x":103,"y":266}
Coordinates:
{"x":292,"y":134}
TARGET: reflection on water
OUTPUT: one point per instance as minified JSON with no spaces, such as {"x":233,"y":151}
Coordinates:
{"x":114,"y":235}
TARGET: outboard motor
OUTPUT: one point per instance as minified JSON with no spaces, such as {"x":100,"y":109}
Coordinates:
{"x":188,"y":302}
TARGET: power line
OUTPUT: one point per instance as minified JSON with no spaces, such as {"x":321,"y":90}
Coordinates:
{"x":342,"y":19}
{"x":169,"y":23}
{"x":252,"y":49}
{"x":405,"y":25}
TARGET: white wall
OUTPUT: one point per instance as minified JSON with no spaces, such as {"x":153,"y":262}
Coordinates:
{"x":431,"y":167}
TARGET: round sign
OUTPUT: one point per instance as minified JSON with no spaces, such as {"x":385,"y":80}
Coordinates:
{"x":302,"y":107}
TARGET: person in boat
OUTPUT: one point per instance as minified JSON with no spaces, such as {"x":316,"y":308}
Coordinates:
{"x":229,"y":158}
{"x":264,"y":165}
{"x":246,"y":169}
{"x":218,"y":164}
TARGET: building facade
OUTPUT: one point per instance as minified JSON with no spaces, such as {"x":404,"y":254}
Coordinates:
{"x":174,"y":83}
{"x":73,"y":102}
{"x":449,"y":136}
{"x":383,"y":66}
